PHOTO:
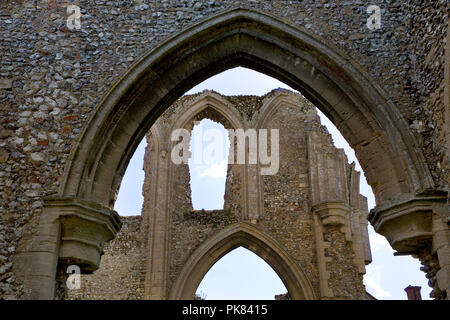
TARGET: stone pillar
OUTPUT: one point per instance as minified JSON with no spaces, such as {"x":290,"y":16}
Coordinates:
{"x":441,"y":220}
{"x":441,"y":246}
{"x":253,"y":189}
{"x":71,"y":232}
{"x":358,"y":223}
{"x":156,"y":213}
{"x":336,"y":210}
{"x":329,"y":218}
{"x":417,"y":226}
{"x":37,"y":264}
{"x":363,"y":213}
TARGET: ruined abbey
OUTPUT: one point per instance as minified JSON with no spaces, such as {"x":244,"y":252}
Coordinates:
{"x":83,"y":82}
{"x":314,"y":235}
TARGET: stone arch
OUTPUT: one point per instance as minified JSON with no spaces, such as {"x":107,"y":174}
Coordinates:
{"x":217,"y":103}
{"x":336,"y":84}
{"x":369,"y":121}
{"x":231,"y":119}
{"x":245,"y":235}
{"x":270,"y":106}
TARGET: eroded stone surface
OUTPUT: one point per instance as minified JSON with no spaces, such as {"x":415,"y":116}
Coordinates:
{"x":279,"y":206}
{"x":52,"y":78}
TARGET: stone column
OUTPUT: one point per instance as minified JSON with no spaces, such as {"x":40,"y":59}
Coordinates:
{"x":156,"y":213}
{"x":333,"y":220}
{"x":418,"y":227}
{"x":253,"y":189}
{"x":337,"y":224}
{"x":441,"y":245}
{"x":37,"y":264}
{"x":70,"y":232}
{"x":358,"y":228}
{"x":363,"y":213}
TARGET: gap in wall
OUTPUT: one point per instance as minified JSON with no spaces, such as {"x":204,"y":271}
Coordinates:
{"x":209,"y":149}
{"x":386,"y":276}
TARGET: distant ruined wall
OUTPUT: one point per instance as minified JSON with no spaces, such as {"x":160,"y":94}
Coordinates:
{"x":287,"y":213}
{"x":122,"y":273}
{"x":284,"y":200}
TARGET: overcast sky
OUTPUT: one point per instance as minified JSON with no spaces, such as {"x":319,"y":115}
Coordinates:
{"x":241,"y":274}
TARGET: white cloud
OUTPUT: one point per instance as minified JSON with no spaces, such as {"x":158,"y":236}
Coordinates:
{"x":373,"y":283}
{"x":216,"y":170}
{"x":378,"y":242}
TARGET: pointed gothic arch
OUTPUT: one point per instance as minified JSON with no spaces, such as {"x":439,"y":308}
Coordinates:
{"x":247,"y":236}
{"x":215,"y":102}
{"x":369,"y":121}
{"x":335,"y":83}
{"x":221,"y":110}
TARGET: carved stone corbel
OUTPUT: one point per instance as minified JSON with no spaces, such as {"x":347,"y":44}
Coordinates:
{"x":418,"y":226}
{"x":407,"y":225}
{"x":70,"y":231}
{"x":334,"y":213}
{"x":85,"y":227}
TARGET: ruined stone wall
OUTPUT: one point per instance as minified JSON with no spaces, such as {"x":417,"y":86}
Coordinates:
{"x":286,"y":215}
{"x":428,"y":27}
{"x":52,"y":79}
{"x":287,"y":202}
{"x":188,"y":227}
{"x":122,"y":272}
{"x":345,"y":280}
{"x":189,"y":230}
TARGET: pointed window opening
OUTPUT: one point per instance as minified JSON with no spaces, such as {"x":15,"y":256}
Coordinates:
{"x":386,"y":269}
{"x":241,"y":275}
{"x":209,"y":149}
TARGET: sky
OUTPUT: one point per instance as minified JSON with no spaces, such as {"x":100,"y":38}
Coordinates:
{"x":387,"y":275}
{"x":209,"y":174}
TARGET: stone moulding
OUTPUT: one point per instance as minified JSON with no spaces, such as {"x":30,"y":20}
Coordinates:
{"x":70,"y":231}
{"x":246,"y":235}
{"x":418,"y":227}
{"x":85,"y":227}
{"x":332,"y":212}
{"x":407,"y":225}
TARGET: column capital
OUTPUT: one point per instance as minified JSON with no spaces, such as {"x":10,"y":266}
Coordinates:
{"x":407,"y":224}
{"x":85,"y":227}
{"x":332,"y":213}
